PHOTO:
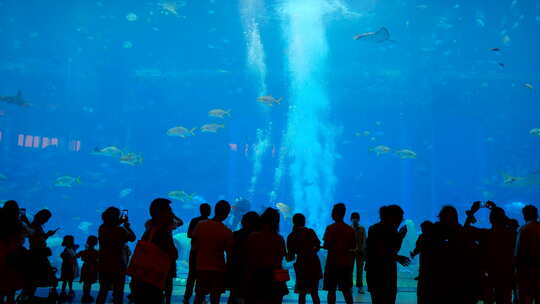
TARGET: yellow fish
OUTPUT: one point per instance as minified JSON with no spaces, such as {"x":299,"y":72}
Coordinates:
{"x":181,"y":132}
{"x":406,"y":154}
{"x":211,"y":128}
{"x":380,"y":150}
{"x":528,"y":85}
{"x":219,"y":113}
{"x":284,"y":209}
{"x":269,"y":100}
{"x":131,"y":159}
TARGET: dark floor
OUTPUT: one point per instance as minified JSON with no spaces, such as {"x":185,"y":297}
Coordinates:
{"x":407,"y":293}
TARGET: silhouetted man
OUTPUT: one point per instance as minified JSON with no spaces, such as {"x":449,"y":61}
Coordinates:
{"x":205,"y":211}
{"x":528,"y":257}
{"x":383,"y":244}
{"x":212,"y":239}
{"x":340,"y":243}
{"x":360,"y":249}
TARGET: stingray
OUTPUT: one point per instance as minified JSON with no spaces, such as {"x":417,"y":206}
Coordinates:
{"x":380,"y":36}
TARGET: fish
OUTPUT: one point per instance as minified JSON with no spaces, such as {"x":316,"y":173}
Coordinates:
{"x":495,"y":49}
{"x":110,"y":151}
{"x":16,"y":100}
{"x":131,"y":17}
{"x":506,"y":40}
{"x":502,"y":65}
{"x":528,"y":85}
{"x":532,"y":179}
{"x":363,"y":133}
{"x":131,"y":159}
{"x":284,"y":209}
{"x":381,"y":149}
{"x":182,"y":196}
{"x":269,"y":100}
{"x":535,"y":132}
{"x":211,"y":128}
{"x":181,"y":132}
{"x":219,"y":113}
{"x":406,"y":154}
{"x":67,"y":181}
{"x":3,"y":177}
{"x":379,"y":36}
{"x":125,"y":192}
{"x":84,"y":226}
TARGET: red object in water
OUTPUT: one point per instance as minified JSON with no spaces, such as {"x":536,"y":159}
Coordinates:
{"x":20,"y":141}
{"x":234,"y":147}
{"x":36,"y":141}
{"x":28,"y":141}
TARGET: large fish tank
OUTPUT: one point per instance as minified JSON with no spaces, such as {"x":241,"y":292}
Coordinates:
{"x":295,"y":104}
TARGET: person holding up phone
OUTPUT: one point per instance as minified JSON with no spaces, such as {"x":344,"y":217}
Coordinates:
{"x":113,"y":235}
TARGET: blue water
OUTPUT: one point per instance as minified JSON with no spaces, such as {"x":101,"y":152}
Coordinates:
{"x":121,"y":73}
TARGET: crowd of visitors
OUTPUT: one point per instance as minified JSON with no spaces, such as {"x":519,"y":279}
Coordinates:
{"x":459,"y":263}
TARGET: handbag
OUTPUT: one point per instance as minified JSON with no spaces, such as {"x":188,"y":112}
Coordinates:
{"x":149,"y":264}
{"x":281,"y":275}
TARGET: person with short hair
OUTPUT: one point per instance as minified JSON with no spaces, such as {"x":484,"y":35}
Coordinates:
{"x":528,"y":257}
{"x":113,"y":235}
{"x":360,"y":250}
{"x":89,"y":272}
{"x":211,"y":240}
{"x":205,"y":210}
{"x":340,"y":242}
{"x":383,"y":244}
{"x":304,"y":244}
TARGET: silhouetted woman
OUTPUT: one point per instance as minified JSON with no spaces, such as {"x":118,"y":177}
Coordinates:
{"x":266,"y":250}
{"x":113,"y":235}
{"x":237,"y":262}
{"x":159,"y":231}
{"x":304,"y":244}
{"x":13,"y":231}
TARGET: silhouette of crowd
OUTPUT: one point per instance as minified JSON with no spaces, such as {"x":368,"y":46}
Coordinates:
{"x":458,"y":263}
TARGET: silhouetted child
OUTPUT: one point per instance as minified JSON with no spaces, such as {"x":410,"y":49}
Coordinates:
{"x":69,"y":266}
{"x":89,"y":272}
{"x":426,"y":227}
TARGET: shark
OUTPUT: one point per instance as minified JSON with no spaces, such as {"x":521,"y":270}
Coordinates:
{"x":532,"y":179}
{"x":16,"y":100}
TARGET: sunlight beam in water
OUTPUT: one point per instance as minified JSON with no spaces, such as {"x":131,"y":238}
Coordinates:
{"x":310,"y":136}
{"x":250,"y":9}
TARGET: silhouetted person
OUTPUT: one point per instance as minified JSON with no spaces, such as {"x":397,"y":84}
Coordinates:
{"x":304,"y":244}
{"x":383,"y":244}
{"x":89,"y":271}
{"x":340,"y":242}
{"x":237,"y":266}
{"x":360,"y":250}
{"x":113,"y":235}
{"x":266,"y":250}
{"x":424,"y":248}
{"x":212,"y":239}
{"x":456,"y":272}
{"x":241,"y":206}
{"x":497,"y":248}
{"x":70,"y":267}
{"x":528,"y":257}
{"x":14,"y":228}
{"x":205,"y":211}
{"x":159,"y":231}
{"x":42,"y":273}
